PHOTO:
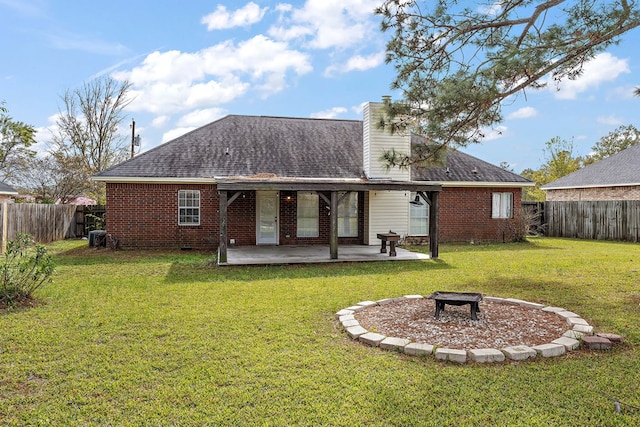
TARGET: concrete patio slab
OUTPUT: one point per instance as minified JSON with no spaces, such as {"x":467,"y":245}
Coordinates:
{"x":310,"y":254}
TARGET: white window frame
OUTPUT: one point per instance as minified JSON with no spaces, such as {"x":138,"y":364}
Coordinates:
{"x":348,"y":214}
{"x":307,"y":214}
{"x":189,"y":207}
{"x":502,"y":205}
{"x":418,"y":213}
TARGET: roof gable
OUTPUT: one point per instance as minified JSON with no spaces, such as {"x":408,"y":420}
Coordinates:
{"x":620,"y":169}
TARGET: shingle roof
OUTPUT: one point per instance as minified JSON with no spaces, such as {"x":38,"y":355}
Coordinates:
{"x":285,"y":147}
{"x":461,"y":167}
{"x":7,"y":189}
{"x":249,"y":145}
{"x":621,"y":169}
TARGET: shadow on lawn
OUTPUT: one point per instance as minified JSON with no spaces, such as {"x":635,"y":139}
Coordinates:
{"x":528,"y":245}
{"x":179,"y":271}
{"x":92,"y":256}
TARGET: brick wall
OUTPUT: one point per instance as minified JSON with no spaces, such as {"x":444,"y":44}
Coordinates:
{"x":631,"y":192}
{"x":146,"y":216}
{"x":465,"y":215}
{"x":288,"y":222}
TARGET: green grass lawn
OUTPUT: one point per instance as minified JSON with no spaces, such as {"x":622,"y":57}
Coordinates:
{"x":156,"y":338}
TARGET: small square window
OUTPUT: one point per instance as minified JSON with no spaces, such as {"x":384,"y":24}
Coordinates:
{"x":502,"y":205}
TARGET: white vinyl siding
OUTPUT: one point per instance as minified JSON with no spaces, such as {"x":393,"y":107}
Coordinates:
{"x":348,"y":215}
{"x":188,"y":207}
{"x":418,"y":218}
{"x":387,"y":211}
{"x":502,"y":205}
{"x":308,"y":214}
{"x":377,"y":141}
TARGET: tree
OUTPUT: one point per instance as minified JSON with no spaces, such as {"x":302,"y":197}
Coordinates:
{"x":559,"y":161}
{"x":15,"y":139}
{"x":621,"y":138}
{"x":506,"y":166}
{"x":456,"y":66}
{"x":50,"y":179}
{"x":88,"y":136}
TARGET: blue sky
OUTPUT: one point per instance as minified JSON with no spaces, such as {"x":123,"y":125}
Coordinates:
{"x":192,"y":62}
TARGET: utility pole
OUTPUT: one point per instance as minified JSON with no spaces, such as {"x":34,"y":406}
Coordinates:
{"x":135,"y":140}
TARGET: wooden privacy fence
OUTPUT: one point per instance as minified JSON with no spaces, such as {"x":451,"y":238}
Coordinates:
{"x":45,"y":223}
{"x":596,"y":220}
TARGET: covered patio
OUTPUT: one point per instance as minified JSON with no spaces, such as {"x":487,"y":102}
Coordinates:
{"x":311,"y":254}
{"x":229,"y":189}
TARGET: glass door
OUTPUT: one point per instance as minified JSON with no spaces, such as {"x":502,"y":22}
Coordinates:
{"x":267,"y":217}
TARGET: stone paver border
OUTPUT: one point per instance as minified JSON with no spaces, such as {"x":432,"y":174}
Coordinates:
{"x":577,"y":329}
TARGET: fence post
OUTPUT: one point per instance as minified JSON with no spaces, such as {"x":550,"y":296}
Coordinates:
{"x":4,"y":226}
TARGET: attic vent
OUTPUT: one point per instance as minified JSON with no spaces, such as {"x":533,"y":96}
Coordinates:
{"x":474,"y":170}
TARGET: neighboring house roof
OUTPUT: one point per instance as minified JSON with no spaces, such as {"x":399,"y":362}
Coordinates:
{"x":7,"y":189}
{"x":619,"y":170}
{"x":287,"y":147}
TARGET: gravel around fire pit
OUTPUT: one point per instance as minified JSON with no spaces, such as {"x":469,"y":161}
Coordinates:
{"x":499,"y":325}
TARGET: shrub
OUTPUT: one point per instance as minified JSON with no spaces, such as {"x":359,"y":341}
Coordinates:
{"x":24,"y":267}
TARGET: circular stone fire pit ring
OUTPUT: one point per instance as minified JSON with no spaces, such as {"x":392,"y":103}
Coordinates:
{"x":418,"y":311}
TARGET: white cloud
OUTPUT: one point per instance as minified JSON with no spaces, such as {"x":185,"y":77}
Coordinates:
{"x":159,"y":121}
{"x":328,"y":23}
{"x":611,"y":120}
{"x":494,"y":133}
{"x":44,"y":135}
{"x":358,"y":109}
{"x":523,"y":113}
{"x":331,"y":113}
{"x":222,"y":19}
{"x":357,"y":63}
{"x":174,"y":81}
{"x":603,"y":68}
{"x":174,"y":133}
{"x":201,"y":117}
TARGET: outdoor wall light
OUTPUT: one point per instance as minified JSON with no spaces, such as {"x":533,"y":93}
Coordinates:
{"x":417,"y":201}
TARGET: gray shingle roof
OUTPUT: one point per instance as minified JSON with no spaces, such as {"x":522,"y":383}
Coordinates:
{"x":621,"y":169}
{"x":286,"y":147}
{"x":461,"y":167}
{"x":7,"y":189}
{"x":249,"y":145}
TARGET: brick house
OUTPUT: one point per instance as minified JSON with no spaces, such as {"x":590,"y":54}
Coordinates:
{"x":615,"y":178}
{"x":257,"y":180}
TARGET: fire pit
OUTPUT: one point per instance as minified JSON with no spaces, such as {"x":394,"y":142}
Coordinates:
{"x":457,"y":298}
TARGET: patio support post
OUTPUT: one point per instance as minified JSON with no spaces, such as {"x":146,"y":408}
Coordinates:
{"x":333,"y":233}
{"x":433,"y":224}
{"x":222,"y":248}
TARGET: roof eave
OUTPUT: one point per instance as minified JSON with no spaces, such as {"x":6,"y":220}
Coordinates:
{"x":153,"y":180}
{"x":487,"y":184}
{"x":575,"y":187}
